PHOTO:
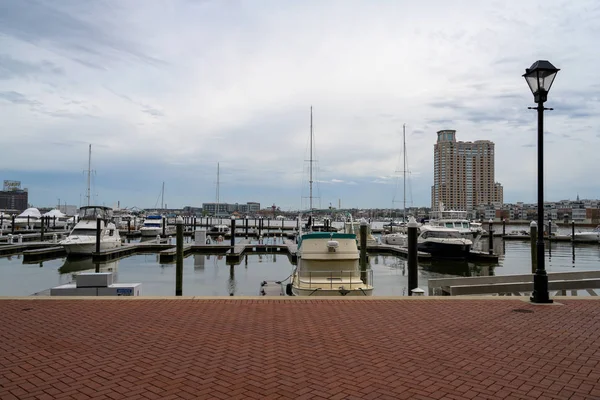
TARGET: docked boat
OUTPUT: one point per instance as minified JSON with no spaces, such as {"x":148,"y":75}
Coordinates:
{"x":458,"y":220}
{"x":396,"y":239}
{"x":28,"y":218}
{"x":588,"y":236}
{"x":443,"y":242}
{"x":82,"y":239}
{"x":354,"y":227}
{"x":218,"y":230}
{"x":57,"y":219}
{"x":328,"y":265}
{"x":153,"y":226}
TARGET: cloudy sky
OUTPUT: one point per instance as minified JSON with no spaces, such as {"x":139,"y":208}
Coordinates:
{"x":164,"y":90}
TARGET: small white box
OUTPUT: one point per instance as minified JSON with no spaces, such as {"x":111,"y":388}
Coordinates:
{"x":71,"y":290}
{"x":92,"y":279}
{"x":121,"y":289}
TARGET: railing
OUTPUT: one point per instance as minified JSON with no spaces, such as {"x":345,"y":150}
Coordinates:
{"x":335,"y":278}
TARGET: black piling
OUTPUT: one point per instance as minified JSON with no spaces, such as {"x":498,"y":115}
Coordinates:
{"x":503,"y":227}
{"x":232,"y":234}
{"x":246,"y":227}
{"x":28,"y":227}
{"x":164,"y":226}
{"x":42,"y":230}
{"x":12,"y":225}
{"x":573,"y":230}
{"x":533,"y":242}
{"x":98,"y":231}
{"x":491,"y":237}
{"x":363,"y":251}
{"x":413,"y":272}
{"x":179,"y":258}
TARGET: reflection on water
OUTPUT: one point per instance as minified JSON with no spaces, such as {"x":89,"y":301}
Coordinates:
{"x":77,"y":265}
{"x":458,"y":268}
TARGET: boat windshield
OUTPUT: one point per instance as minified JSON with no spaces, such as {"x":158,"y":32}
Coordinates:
{"x":441,"y":234}
{"x":92,"y":212}
{"x":151,"y":225}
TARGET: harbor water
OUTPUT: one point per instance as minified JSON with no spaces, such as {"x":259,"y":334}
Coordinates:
{"x":209,"y":275}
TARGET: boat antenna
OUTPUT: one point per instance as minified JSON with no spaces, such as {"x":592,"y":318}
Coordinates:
{"x":89,"y":173}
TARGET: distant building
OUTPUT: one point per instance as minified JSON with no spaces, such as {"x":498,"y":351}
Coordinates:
{"x":463,"y":176}
{"x":225,"y":209}
{"x":12,"y":197}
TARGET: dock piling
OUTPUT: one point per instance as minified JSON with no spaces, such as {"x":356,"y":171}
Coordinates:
{"x":363,"y":251}
{"x":246,"y":227}
{"x":572,"y":230}
{"x":179,"y":258}
{"x":503,"y":227}
{"x":42,"y":230}
{"x":491,"y":237}
{"x":164,"y":226}
{"x":413,"y":273}
{"x":12,"y":225}
{"x":232,"y":233}
{"x":533,"y":238}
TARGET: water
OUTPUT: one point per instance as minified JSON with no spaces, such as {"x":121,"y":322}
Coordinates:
{"x":208,"y":275}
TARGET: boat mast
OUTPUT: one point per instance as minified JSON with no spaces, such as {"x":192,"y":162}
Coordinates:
{"x":89,"y":172}
{"x":217,"y":210}
{"x":162,"y":200}
{"x":310,"y":181}
{"x":404,"y":167}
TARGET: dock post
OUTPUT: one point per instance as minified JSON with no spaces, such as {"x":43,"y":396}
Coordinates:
{"x":259,"y":227}
{"x":491,"y":237}
{"x":297,"y":224}
{"x":1,"y":221}
{"x":549,"y":229}
{"x":363,"y":251}
{"x":533,"y":238}
{"x":503,"y":227}
{"x":12,"y":226}
{"x":268,"y":225}
{"x":42,"y":230}
{"x":194,"y":224}
{"x":28,"y":228}
{"x":179,"y":258}
{"x":246,"y":227}
{"x":572,"y":230}
{"x":282,"y":224}
{"x":128,"y":225}
{"x":164,"y":220}
{"x":54,"y":223}
{"x":413,"y":272}
{"x":232,"y":233}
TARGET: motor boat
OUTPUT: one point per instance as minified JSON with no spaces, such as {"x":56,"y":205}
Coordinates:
{"x":354,"y":227}
{"x":443,"y":242}
{"x":27,"y":219}
{"x":396,"y":239}
{"x":588,"y":236}
{"x":455,"y":220}
{"x":218,"y":230}
{"x":153,"y":226}
{"x":82,"y":239}
{"x":56,"y":219}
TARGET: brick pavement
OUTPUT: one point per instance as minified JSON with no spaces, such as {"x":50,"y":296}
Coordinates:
{"x":299,"y":349}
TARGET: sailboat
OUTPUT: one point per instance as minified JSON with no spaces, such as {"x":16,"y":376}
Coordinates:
{"x":399,"y":238}
{"x":153,"y":224}
{"x":82,"y":239}
{"x":328,"y":262}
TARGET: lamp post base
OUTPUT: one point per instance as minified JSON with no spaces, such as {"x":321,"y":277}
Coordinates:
{"x":540,"y":293}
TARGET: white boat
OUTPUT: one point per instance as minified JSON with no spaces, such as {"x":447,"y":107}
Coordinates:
{"x":443,"y":242}
{"x":458,"y":220}
{"x":218,"y":230}
{"x":588,"y":236}
{"x":328,"y":262}
{"x":153,"y":225}
{"x":354,"y":227}
{"x":396,"y":239}
{"x":82,"y":239}
{"x":27,"y":219}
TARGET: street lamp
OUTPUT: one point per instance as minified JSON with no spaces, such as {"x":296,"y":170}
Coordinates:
{"x":539,"y":78}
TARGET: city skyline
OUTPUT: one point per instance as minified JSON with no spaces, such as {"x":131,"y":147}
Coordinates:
{"x":164,"y":93}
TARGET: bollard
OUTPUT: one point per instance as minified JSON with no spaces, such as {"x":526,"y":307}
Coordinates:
{"x":503,"y":227}
{"x":42,"y":230}
{"x":246,"y":227}
{"x":179,"y":258}
{"x":98,"y":230}
{"x":491,"y":237}
{"x":363,"y":251}
{"x":413,"y":273}
{"x":10,"y":238}
{"x":20,"y":239}
{"x":128,"y":225}
{"x":533,"y":238}
{"x":232,"y":233}
{"x":417,"y":292}
{"x":572,"y":230}
{"x":164,"y":225}
{"x":54,"y":238}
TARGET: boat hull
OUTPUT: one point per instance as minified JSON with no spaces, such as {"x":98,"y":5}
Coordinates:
{"x":445,"y":250}
{"x":87,"y":248}
{"x":586,"y":237}
{"x":296,"y":291}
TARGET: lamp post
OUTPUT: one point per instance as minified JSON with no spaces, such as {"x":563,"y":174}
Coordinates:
{"x":539,"y":78}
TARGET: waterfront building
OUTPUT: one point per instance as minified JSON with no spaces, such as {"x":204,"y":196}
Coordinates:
{"x":463,"y":175}
{"x":12,"y":197}
{"x":226,"y":209}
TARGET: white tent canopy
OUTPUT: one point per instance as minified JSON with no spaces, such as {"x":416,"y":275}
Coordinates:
{"x":30,"y":212}
{"x":55,"y":213}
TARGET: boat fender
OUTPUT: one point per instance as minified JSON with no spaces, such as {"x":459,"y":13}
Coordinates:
{"x":288,"y":289}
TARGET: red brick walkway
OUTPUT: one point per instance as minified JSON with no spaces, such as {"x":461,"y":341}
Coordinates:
{"x":259,"y":349}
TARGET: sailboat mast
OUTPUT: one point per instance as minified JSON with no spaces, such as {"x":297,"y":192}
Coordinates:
{"x":162,"y":199}
{"x":89,"y":173}
{"x":218,"y":183}
{"x":404,"y":166}
{"x":310,"y":181}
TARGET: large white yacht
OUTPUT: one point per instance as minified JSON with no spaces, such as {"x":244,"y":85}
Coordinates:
{"x":28,"y":218}
{"x":587,"y":236}
{"x":56,"y":219}
{"x":443,"y":242}
{"x":455,"y":220}
{"x":82,"y":239}
{"x":153,"y":226}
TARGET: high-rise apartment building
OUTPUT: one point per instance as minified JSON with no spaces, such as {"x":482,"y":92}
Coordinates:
{"x":463,"y":176}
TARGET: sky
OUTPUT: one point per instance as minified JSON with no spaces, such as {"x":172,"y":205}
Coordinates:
{"x":165,"y":90}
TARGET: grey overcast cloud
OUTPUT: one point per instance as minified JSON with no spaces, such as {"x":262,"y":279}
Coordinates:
{"x":164,"y":90}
